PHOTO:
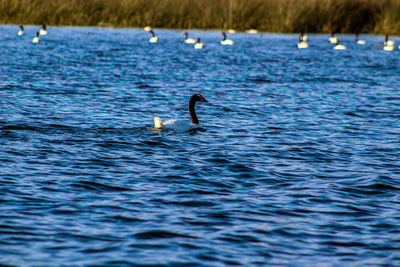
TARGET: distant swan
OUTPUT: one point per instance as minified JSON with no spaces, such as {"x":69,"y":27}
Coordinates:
{"x":302,"y":42}
{"x":199,"y":44}
{"x":154,"y":38}
{"x":187,"y":39}
{"x":43,"y":30}
{"x":361,"y":42}
{"x":36,"y":38}
{"x":179,"y":125}
{"x":338,"y":46}
{"x":252,"y":31}
{"x":226,"y":41}
{"x":147,"y":28}
{"x":21,"y":30}
{"x":333,"y":39}
{"x":388,"y":45}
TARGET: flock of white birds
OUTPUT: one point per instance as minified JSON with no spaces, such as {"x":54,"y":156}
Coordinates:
{"x":388,"y":45}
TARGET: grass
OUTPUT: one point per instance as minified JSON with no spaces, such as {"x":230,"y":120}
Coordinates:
{"x":351,"y":16}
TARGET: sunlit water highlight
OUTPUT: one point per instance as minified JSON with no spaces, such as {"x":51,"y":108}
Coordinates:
{"x":297,"y":160}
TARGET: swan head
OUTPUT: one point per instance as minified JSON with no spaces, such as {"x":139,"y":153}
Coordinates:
{"x":185,"y":34}
{"x":198,"y":97}
{"x":21,"y":27}
{"x":43,"y":27}
{"x":198,"y":40}
{"x":37,"y":34}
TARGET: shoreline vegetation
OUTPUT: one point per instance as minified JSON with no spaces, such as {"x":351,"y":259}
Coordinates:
{"x":317,"y":16}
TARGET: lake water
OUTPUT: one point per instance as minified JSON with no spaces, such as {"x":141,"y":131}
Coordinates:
{"x":296,"y":162}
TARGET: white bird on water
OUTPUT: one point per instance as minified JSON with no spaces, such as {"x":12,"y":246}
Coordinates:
{"x":178,"y":125}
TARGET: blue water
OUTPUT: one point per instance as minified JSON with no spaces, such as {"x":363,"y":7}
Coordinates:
{"x":296,"y":162}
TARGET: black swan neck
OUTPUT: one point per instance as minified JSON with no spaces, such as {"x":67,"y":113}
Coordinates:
{"x":192,"y":111}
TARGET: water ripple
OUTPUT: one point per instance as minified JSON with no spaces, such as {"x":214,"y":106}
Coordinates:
{"x":295,"y":163}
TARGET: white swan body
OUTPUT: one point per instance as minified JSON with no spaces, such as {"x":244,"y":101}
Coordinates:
{"x":390,"y":43}
{"x":226,"y":41}
{"x":21,"y":30}
{"x":252,"y":31}
{"x":333,"y":40}
{"x":339,"y":47}
{"x":43,"y":30}
{"x":190,"y":41}
{"x":198,"y":44}
{"x":388,"y":47}
{"x":154,"y":38}
{"x":178,"y":125}
{"x":187,"y":39}
{"x":232,"y":31}
{"x":361,"y":42}
{"x":36,"y":38}
{"x":302,"y":44}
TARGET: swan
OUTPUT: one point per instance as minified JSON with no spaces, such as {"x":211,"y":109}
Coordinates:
{"x":21,"y":30}
{"x":43,"y":30}
{"x":178,"y":125}
{"x":153,"y":38}
{"x":199,"y":44}
{"x":361,"y":42}
{"x":226,"y":41}
{"x":339,"y":46}
{"x":36,"y":38}
{"x":333,"y":39}
{"x":147,"y":28}
{"x":388,"y":45}
{"x":252,"y":31}
{"x":232,"y":31}
{"x":187,"y":39}
{"x":302,"y":42}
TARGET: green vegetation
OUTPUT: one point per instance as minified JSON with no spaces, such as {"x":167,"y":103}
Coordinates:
{"x":373,"y":16}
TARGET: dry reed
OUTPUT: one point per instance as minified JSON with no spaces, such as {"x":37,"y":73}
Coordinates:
{"x":373,"y":16}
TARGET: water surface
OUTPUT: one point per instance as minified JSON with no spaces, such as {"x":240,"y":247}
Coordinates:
{"x":296,"y":163}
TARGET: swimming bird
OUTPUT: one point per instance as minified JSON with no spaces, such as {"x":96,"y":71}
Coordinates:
{"x":153,"y":38}
{"x":21,"y":30}
{"x":362,"y":42}
{"x":147,"y":28}
{"x":178,"y":125}
{"x":252,"y":31}
{"x":302,"y":43}
{"x":43,"y":30}
{"x":187,"y":39}
{"x":388,"y":45}
{"x":338,"y":46}
{"x":333,"y":39}
{"x":36,"y":38}
{"x":198,"y":44}
{"x":226,"y":41}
